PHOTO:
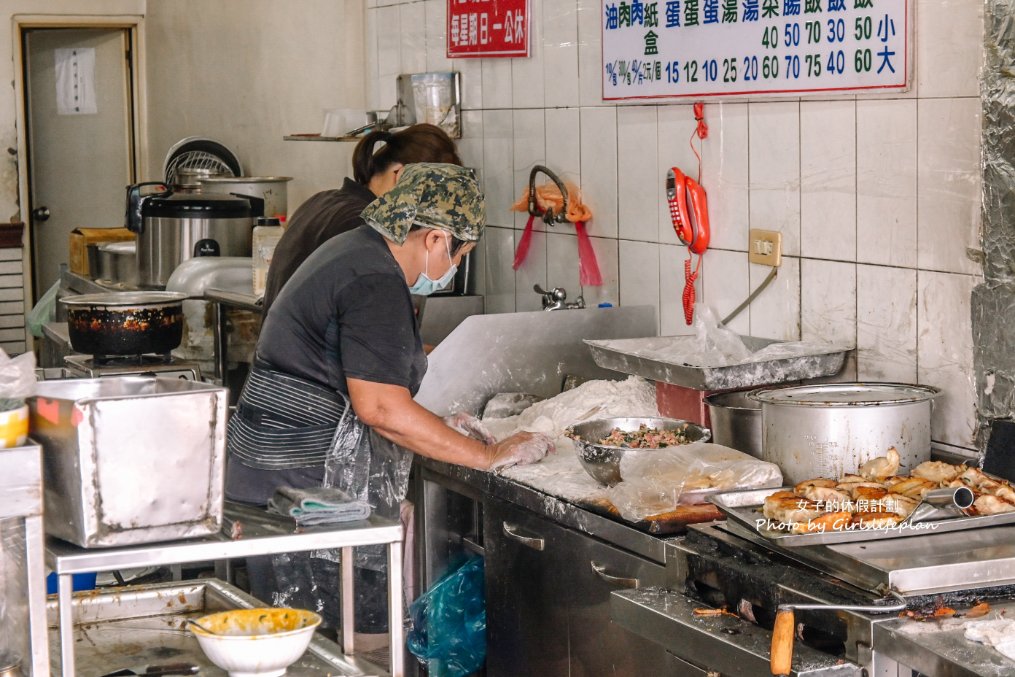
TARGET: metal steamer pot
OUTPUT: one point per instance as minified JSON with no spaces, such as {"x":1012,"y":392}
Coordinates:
{"x":268,"y":195}
{"x":830,"y":429}
{"x":174,"y":226}
{"x":125,"y":323}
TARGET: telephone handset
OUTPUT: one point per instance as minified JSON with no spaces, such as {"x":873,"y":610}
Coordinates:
{"x":688,"y":209}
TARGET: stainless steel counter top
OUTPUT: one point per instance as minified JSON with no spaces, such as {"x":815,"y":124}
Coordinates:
{"x":553,"y":508}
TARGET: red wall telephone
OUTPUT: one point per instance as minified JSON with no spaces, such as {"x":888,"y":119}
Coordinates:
{"x":688,"y":209}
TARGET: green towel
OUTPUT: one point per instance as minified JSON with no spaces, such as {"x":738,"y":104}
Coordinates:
{"x":317,"y":506}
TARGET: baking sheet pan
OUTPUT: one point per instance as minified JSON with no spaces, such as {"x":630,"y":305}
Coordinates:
{"x":146,"y":625}
{"x":745,"y":507}
{"x":656,"y":358}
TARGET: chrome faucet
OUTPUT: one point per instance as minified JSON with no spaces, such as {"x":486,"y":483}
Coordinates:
{"x":556,"y":299}
{"x":549,"y":216}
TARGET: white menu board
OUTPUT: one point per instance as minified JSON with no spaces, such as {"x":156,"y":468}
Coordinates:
{"x":700,"y":48}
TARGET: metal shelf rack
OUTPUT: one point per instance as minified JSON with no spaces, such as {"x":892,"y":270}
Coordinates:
{"x":246,"y":532}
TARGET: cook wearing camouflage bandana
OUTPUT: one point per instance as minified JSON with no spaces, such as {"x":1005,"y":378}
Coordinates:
{"x":342,"y":333}
{"x":430,"y":195}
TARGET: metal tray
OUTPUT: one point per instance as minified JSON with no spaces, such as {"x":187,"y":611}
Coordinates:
{"x":146,"y":625}
{"x":641,"y":357}
{"x":744,"y":507}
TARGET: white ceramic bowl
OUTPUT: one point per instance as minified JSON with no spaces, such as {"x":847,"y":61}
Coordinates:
{"x":256,"y":642}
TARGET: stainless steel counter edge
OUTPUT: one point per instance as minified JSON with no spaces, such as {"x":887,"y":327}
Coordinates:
{"x":723,"y":644}
{"x":553,"y":508}
{"x":939,"y":647}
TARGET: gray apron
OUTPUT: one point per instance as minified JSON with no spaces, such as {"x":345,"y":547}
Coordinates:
{"x":283,"y":424}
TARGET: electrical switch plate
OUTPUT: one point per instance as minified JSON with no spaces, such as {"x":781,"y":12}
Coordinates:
{"x":765,"y":247}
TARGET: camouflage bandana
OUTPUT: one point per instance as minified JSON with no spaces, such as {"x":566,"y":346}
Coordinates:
{"x":432,"y":195}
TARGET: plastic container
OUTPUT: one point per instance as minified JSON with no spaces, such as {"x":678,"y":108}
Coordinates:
{"x":14,"y":427}
{"x":79,"y":582}
{"x":267,"y":233}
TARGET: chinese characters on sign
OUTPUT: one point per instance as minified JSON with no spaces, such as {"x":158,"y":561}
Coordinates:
{"x":672,"y":48}
{"x":488,"y":28}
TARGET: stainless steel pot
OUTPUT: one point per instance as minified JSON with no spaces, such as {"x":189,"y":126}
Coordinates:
{"x":117,"y":262}
{"x":268,"y":193}
{"x":173,"y":227}
{"x":736,"y":421}
{"x":830,"y":429}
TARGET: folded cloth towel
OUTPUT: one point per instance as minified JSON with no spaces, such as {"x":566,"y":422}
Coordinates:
{"x":317,"y":506}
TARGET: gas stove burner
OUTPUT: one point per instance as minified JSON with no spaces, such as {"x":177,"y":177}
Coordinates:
{"x":159,"y":364}
{"x":141,"y":360}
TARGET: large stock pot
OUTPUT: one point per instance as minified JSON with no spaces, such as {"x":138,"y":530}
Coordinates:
{"x":829,"y":429}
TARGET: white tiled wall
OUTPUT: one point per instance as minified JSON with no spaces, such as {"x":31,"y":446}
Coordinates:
{"x":877,"y":197}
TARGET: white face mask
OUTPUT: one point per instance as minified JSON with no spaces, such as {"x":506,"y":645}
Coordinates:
{"x":426,"y":285}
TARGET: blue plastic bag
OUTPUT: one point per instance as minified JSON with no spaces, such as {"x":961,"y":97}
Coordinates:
{"x":448,"y":632}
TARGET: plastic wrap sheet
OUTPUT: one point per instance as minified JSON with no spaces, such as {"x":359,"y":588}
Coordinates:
{"x":14,"y":625}
{"x":656,"y":481}
{"x":993,"y":301}
{"x":371,"y":469}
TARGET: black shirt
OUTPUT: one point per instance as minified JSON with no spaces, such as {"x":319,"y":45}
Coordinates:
{"x":320,"y":218}
{"x":346,"y":313}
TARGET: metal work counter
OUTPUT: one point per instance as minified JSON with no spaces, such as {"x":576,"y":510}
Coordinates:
{"x":478,"y":482}
{"x":245,"y":532}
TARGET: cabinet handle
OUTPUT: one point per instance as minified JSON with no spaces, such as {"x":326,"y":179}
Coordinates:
{"x":619,"y":581}
{"x":511,"y":531}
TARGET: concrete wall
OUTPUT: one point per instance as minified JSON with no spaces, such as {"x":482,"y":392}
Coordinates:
{"x":877,"y":197}
{"x":248,"y":72}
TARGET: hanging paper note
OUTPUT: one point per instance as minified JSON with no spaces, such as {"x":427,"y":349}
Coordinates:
{"x":75,"y":81}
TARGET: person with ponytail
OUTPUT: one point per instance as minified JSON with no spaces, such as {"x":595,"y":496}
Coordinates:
{"x":377,"y":162}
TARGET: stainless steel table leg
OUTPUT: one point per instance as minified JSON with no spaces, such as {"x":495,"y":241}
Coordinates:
{"x":397,"y":637}
{"x":64,"y":593}
{"x":348,"y":602}
{"x":221,"y":315}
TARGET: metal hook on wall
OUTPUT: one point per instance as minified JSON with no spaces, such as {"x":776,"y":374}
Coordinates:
{"x":549,"y":216}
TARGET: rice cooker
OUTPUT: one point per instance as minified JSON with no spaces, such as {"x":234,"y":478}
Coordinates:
{"x":173,"y":226}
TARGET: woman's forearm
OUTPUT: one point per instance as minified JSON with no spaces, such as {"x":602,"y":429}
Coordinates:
{"x":394,"y":415}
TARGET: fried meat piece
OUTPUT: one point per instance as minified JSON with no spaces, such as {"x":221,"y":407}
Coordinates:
{"x":882,"y":466}
{"x":817,"y":482}
{"x":830,"y":521}
{"x":992,"y":505}
{"x":937,"y":471}
{"x":875,"y":520}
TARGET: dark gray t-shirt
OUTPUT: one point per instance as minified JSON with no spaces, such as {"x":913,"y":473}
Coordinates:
{"x":346,"y":313}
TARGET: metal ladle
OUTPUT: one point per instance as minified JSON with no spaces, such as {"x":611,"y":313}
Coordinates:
{"x":785,"y":626}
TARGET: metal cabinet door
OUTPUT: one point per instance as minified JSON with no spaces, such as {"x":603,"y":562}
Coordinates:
{"x":598,"y":645}
{"x":526,"y":598}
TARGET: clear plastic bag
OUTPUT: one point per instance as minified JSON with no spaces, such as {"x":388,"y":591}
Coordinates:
{"x":448,"y":632}
{"x":17,"y":379}
{"x":656,"y":481}
{"x":43,"y":311}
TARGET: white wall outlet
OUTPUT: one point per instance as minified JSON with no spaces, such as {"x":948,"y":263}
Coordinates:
{"x":765,"y":247}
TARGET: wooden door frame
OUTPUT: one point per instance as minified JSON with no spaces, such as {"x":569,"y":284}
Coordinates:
{"x":134,"y":24}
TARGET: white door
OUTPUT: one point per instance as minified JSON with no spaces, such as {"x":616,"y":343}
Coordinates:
{"x":80,"y":137}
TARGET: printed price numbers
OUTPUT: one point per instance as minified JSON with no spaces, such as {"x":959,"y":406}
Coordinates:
{"x":743,"y":69}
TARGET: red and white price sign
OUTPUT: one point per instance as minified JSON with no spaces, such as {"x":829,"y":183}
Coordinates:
{"x":488,"y":28}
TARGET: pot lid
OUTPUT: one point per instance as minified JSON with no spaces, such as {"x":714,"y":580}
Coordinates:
{"x":196,"y":205}
{"x":847,"y":394}
{"x":129,"y":247}
{"x":125,"y":298}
